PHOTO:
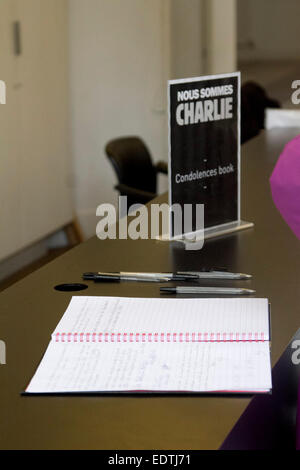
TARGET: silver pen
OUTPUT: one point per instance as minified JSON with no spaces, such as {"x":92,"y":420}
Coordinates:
{"x":137,"y":277}
{"x":183,"y":275}
{"x":217,"y":275}
{"x":207,"y":290}
{"x":117,"y":277}
{"x":167,"y":276}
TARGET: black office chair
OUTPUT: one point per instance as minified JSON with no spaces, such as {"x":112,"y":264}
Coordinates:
{"x":254,"y":101}
{"x":136,"y":173}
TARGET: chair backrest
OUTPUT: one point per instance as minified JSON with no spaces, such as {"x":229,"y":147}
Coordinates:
{"x":132,"y":163}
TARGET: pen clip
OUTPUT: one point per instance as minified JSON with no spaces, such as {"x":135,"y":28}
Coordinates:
{"x":213,"y":269}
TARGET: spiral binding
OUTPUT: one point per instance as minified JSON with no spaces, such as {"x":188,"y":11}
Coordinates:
{"x":157,"y":337}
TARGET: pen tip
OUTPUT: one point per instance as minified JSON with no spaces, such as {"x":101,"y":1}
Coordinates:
{"x":167,"y":290}
{"x":88,"y":276}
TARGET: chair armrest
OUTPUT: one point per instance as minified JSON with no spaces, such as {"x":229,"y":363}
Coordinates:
{"x":142,"y":196}
{"x":162,"y":167}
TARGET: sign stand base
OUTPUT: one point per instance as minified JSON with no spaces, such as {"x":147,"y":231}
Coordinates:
{"x":212,"y":232}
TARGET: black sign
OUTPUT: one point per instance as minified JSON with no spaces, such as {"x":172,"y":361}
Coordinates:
{"x":204,"y":148}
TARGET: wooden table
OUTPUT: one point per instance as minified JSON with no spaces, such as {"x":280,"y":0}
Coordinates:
{"x":30,"y":310}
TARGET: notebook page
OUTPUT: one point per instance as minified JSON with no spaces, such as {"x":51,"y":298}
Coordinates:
{"x":186,"y":367}
{"x":134,"y":315}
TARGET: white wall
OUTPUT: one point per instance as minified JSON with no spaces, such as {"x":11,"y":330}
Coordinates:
{"x":122,"y":53}
{"x":119,"y":68}
{"x":221,"y":35}
{"x":268,"y":29}
{"x":187,"y":42}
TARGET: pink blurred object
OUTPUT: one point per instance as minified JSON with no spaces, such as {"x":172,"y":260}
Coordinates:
{"x":285,"y":185}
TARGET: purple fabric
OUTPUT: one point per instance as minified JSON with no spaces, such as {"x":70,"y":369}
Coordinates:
{"x":285,"y":185}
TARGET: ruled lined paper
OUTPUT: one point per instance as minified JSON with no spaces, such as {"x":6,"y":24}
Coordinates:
{"x":116,"y":315}
{"x":185,"y":367}
{"x":163,"y":363}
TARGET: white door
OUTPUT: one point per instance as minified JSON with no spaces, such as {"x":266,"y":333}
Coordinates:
{"x":35,"y":194}
{"x":44,"y":131}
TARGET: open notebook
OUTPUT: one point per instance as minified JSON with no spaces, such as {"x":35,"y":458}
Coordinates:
{"x":111,"y":344}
